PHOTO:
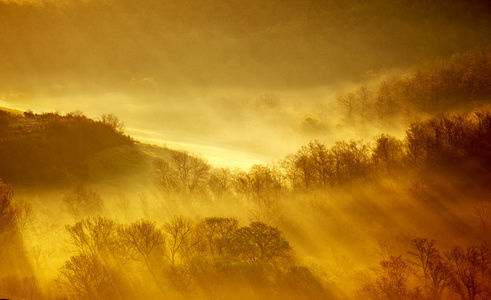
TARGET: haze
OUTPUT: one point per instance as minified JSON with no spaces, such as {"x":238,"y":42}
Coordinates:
{"x":193,"y":73}
{"x":279,"y":150}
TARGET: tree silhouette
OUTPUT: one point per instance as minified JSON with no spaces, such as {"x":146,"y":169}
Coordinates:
{"x":260,"y":182}
{"x":390,"y":283}
{"x":303,"y":164}
{"x":113,"y":122}
{"x":348,"y":104}
{"x":146,"y":241}
{"x":181,"y":238}
{"x":191,"y":172}
{"x":164,"y":176}
{"x":260,"y":242}
{"x":88,"y":278}
{"x":436,"y":274}
{"x":218,"y":233}
{"x":388,"y":153}
{"x":351,"y":161}
{"x":99,"y":237}
{"x":322,"y":161}
{"x":83,"y":202}
{"x":470,"y":271}
{"x":8,"y":211}
{"x":220,"y":181}
{"x":183,"y":174}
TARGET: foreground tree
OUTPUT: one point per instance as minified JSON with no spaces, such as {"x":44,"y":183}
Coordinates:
{"x":99,"y":237}
{"x":13,"y":257}
{"x":435,"y":272}
{"x":146,"y":243}
{"x":390,"y":283}
{"x":87,"y":277}
{"x":470,"y":270}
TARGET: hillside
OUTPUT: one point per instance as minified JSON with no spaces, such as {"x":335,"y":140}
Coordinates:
{"x":52,"y":150}
{"x":459,"y":83}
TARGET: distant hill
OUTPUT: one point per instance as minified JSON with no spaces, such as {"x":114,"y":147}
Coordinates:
{"x":54,"y":150}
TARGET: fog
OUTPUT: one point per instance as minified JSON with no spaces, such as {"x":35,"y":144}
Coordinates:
{"x":194,"y":74}
{"x":231,"y":127}
{"x":204,"y":149}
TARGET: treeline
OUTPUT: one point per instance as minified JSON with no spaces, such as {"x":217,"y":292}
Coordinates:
{"x":459,"y":141}
{"x":439,"y":87}
{"x":427,"y":272}
{"x":53,"y":149}
{"x":213,"y":257}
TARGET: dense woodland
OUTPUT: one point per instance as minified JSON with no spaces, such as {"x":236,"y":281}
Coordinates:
{"x":390,"y":218}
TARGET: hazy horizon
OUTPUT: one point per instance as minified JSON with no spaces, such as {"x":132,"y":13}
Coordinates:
{"x":198,"y":72}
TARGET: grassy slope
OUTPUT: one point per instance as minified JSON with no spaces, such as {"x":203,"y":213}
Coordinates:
{"x":125,"y":168}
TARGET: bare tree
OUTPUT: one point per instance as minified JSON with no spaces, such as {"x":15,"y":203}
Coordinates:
{"x":364,"y":97}
{"x":88,"y":278}
{"x":436,"y":274}
{"x":8,"y":212}
{"x":390,"y":283}
{"x":350,"y":160}
{"x":123,"y":203}
{"x":164,"y":176}
{"x":348,"y":105}
{"x":98,"y":237}
{"x":290,"y":171}
{"x":181,"y":238}
{"x":83,"y":202}
{"x":387,"y":153}
{"x":262,"y":181}
{"x":321,"y":161}
{"x":113,"y":121}
{"x":218,"y":233}
{"x":220,"y":181}
{"x":470,"y":271}
{"x":303,"y":164}
{"x":385,"y":102}
{"x":146,"y":241}
{"x":25,"y":215}
{"x":191,"y":171}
